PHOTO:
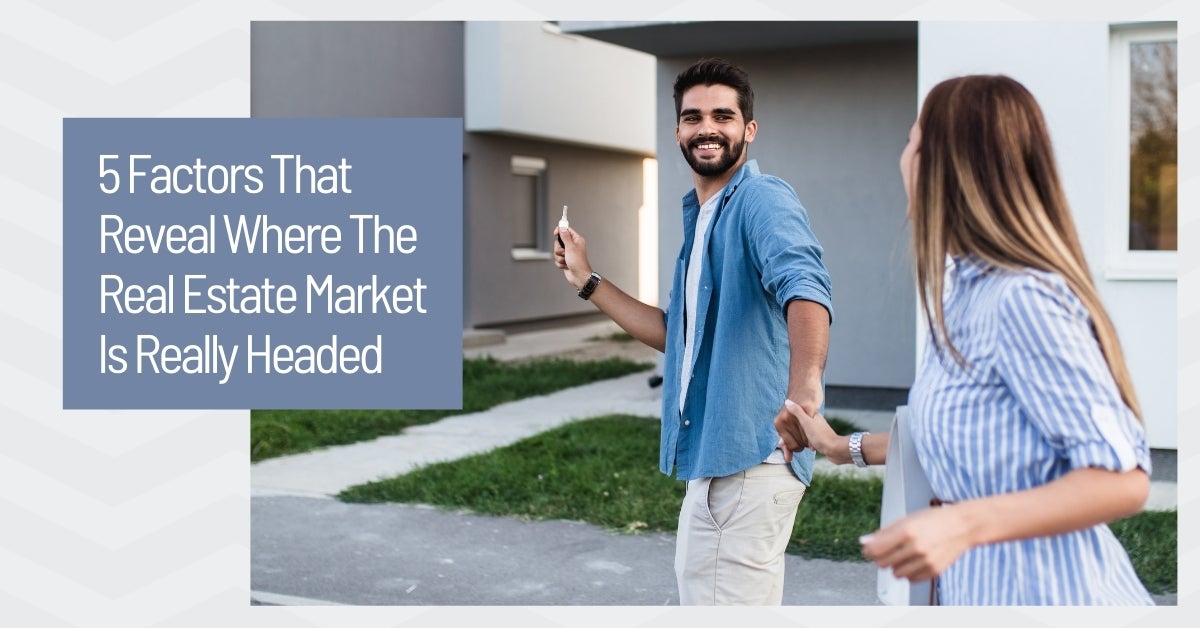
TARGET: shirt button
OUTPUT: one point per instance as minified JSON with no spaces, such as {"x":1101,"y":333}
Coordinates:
{"x":687,"y":422}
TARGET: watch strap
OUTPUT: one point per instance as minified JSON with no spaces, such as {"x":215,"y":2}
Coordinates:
{"x":856,"y":449}
{"x":588,"y":288}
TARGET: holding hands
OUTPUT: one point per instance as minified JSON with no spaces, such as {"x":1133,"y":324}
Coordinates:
{"x":799,"y":429}
{"x":917,"y":547}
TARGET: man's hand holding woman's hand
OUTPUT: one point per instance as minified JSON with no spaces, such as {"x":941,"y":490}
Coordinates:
{"x":799,"y":429}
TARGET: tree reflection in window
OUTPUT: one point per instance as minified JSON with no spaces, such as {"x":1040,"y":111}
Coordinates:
{"x":1153,"y":137}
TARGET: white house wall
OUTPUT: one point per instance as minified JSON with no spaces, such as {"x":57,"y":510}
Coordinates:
{"x":1065,"y":65}
{"x":526,"y":78}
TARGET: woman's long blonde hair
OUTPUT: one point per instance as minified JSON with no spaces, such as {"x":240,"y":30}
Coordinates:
{"x":987,"y":185}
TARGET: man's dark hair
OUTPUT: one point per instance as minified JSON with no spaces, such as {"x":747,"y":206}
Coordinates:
{"x":716,"y":72}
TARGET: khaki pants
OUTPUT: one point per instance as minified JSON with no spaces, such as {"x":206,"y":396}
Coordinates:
{"x":732,"y":535}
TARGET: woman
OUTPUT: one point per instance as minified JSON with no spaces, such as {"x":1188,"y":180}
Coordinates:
{"x":1025,"y":417}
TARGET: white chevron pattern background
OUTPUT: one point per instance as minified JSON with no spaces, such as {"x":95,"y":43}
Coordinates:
{"x":136,"y":519}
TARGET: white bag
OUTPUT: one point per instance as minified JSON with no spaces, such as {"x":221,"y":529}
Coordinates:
{"x":905,"y":489}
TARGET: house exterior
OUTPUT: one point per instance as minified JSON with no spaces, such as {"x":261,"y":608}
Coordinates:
{"x":835,"y":100}
{"x":1079,"y":72}
{"x":575,"y":113}
{"x":540,"y":130}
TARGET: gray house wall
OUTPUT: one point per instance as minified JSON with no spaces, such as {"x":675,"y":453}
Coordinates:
{"x":356,"y":69}
{"x":832,"y":122}
{"x":603,"y":190}
{"x":416,"y":69}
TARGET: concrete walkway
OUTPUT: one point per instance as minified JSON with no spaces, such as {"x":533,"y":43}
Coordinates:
{"x":328,"y":471}
{"x":307,"y":548}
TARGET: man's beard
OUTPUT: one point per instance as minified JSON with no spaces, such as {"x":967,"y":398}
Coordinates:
{"x":729,"y":156}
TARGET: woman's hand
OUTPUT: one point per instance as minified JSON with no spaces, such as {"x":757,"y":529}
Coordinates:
{"x":921,"y":545}
{"x":799,"y":429}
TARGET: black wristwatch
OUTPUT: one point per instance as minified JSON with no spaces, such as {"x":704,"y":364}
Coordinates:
{"x":588,"y":288}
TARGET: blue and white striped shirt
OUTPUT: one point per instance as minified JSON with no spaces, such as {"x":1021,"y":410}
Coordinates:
{"x":1036,"y":402}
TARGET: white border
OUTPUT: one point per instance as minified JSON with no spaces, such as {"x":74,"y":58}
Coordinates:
{"x":84,"y":487}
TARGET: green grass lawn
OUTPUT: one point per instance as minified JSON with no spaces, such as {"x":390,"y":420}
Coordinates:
{"x":486,"y":382}
{"x":605,"y":471}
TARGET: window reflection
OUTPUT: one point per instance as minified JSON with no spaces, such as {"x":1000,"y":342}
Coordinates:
{"x":1153,"y":160}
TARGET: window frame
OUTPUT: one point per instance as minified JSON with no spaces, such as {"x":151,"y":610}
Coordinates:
{"x":1121,"y":262}
{"x":522,"y":165}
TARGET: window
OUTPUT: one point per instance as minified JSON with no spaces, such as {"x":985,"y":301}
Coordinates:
{"x":528,"y":217}
{"x":1143,"y":211}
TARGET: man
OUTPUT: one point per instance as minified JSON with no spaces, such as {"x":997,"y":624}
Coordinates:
{"x":747,"y":327}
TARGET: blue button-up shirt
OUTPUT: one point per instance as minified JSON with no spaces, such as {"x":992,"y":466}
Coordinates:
{"x":760,"y":254}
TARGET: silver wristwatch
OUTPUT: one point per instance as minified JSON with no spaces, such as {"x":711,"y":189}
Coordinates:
{"x":856,"y":448}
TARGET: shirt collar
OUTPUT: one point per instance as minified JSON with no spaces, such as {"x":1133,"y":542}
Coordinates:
{"x":965,"y":267}
{"x":748,"y":169}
